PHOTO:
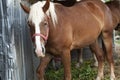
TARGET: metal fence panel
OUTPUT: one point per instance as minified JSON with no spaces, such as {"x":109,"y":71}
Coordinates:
{"x":15,"y":45}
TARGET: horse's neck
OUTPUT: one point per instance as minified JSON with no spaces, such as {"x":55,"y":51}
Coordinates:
{"x":115,"y":8}
{"x":116,"y":13}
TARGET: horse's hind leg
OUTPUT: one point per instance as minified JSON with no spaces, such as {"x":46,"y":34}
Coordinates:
{"x":79,"y":57}
{"x":43,"y":64}
{"x":107,"y":39}
{"x":99,"y":54}
{"x":96,"y":61}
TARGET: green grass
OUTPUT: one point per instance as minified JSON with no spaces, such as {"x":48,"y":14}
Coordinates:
{"x":117,"y":41}
{"x":85,"y":72}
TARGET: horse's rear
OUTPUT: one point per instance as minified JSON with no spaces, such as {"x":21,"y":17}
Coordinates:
{"x":104,"y":16}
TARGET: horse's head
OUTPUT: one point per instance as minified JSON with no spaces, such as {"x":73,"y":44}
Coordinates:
{"x":38,"y":22}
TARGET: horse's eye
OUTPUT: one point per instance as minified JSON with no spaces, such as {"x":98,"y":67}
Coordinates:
{"x":45,"y":23}
{"x":28,"y":23}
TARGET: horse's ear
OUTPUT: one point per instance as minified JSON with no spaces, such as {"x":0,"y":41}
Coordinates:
{"x":26,"y":9}
{"x":46,"y":6}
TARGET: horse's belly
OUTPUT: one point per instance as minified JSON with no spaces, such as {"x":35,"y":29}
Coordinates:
{"x":85,"y":37}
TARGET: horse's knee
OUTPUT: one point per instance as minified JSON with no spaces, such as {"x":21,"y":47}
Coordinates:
{"x":100,"y":58}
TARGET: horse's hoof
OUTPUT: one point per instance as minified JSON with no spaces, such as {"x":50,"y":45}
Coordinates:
{"x":77,"y":65}
{"x":100,"y":78}
{"x":95,"y":64}
{"x":112,"y":78}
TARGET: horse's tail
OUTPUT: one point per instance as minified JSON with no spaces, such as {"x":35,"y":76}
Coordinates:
{"x":103,"y":48}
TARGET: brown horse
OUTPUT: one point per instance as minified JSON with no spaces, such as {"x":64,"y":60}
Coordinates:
{"x":59,"y":29}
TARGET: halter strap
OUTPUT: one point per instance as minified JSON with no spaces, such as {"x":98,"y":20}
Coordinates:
{"x":45,"y":37}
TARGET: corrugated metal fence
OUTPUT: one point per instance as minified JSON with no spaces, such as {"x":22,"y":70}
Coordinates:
{"x":16,"y":61}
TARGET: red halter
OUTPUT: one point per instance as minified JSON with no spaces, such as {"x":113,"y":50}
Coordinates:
{"x":45,"y":37}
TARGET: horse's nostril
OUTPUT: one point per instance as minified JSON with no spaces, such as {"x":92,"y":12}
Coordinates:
{"x":43,"y":49}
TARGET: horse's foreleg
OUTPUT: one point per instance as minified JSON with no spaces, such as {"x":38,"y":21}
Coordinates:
{"x":99,"y":54}
{"x":107,"y":38}
{"x":66,"y":60}
{"x":43,"y":64}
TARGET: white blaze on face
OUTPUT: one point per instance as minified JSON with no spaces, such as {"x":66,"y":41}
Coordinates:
{"x":36,"y":16}
{"x":38,"y":49}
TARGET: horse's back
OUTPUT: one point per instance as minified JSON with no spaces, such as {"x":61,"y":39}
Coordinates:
{"x":80,"y":24}
{"x":90,"y":9}
{"x":89,"y":22}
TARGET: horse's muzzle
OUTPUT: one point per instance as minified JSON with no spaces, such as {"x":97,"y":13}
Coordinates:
{"x":40,"y":52}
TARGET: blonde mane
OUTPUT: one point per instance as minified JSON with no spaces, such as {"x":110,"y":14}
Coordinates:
{"x":37,"y":14}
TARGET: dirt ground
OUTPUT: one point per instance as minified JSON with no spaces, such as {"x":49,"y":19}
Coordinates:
{"x":117,"y":60}
{"x":117,"y":69}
